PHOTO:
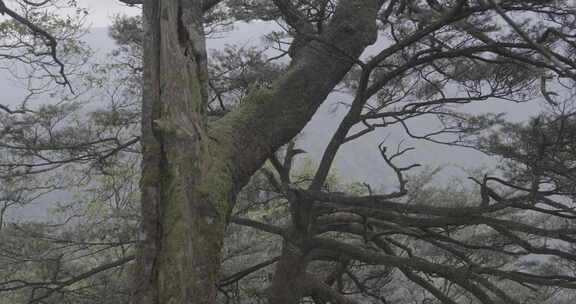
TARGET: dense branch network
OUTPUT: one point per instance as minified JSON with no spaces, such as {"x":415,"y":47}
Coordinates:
{"x":50,"y":39}
{"x":340,"y":244}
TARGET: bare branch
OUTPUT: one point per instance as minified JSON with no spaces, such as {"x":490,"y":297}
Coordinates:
{"x":51,"y":41}
{"x":239,"y":275}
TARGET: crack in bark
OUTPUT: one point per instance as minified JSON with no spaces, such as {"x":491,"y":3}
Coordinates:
{"x":183,"y":35}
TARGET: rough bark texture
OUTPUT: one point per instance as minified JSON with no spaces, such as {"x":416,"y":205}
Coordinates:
{"x":269,"y":118}
{"x":192,"y":171}
{"x":179,"y":260}
{"x":288,"y":285}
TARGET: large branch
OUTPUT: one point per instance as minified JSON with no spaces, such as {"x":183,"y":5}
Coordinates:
{"x":383,"y":202}
{"x":132,"y":2}
{"x":466,"y":277}
{"x":269,"y":118}
{"x":258,"y":225}
{"x":240,"y":275}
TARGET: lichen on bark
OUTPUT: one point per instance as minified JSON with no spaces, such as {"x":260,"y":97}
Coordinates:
{"x":192,"y":170}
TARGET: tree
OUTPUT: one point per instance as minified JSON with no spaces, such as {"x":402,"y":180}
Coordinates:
{"x":193,"y":169}
{"x":191,"y":173}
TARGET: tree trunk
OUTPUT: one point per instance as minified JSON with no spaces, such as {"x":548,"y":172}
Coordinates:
{"x":288,"y":284}
{"x":190,"y":173}
{"x":179,"y":259}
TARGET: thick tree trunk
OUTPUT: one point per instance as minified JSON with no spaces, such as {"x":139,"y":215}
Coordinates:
{"x":288,"y":285}
{"x":190,"y":172}
{"x":183,"y":231}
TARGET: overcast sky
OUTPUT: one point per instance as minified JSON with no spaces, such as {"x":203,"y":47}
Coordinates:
{"x":319,"y":129}
{"x":359,"y":160}
{"x":101,"y":11}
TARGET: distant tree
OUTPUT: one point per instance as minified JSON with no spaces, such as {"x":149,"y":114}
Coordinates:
{"x":538,"y":157}
{"x":435,"y":55}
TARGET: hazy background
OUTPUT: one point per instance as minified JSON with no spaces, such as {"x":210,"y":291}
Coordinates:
{"x":358,"y":160}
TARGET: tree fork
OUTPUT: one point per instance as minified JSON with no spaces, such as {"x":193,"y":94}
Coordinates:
{"x":190,"y":173}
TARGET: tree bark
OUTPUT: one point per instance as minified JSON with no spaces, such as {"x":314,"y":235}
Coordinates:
{"x":183,"y":231}
{"x":192,"y":171}
{"x":269,"y":118}
{"x":288,"y":284}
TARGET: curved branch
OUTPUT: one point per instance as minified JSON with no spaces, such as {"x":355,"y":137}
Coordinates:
{"x":239,"y":275}
{"x":258,"y":225}
{"x":78,"y":278}
{"x":269,"y":118}
{"x":52,"y":43}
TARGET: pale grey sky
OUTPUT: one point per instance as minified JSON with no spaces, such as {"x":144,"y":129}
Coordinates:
{"x":359,"y":160}
{"x":101,"y":11}
{"x":321,"y":127}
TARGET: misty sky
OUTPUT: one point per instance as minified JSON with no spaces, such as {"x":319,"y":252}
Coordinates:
{"x":319,"y":130}
{"x":358,"y":160}
{"x":101,"y":11}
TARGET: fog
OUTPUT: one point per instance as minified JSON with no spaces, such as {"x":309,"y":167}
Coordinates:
{"x":358,"y":160}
